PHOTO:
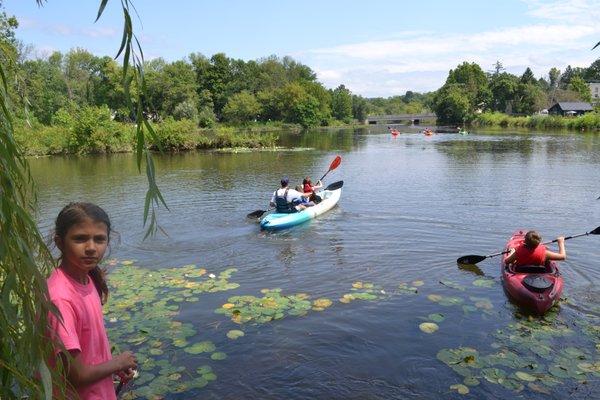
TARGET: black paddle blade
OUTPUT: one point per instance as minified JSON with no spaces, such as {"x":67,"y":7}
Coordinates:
{"x":470,"y":259}
{"x":335,"y":185}
{"x":595,"y":231}
{"x":256,"y":214}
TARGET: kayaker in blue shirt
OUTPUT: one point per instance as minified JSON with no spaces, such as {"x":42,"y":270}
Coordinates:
{"x":287,"y":200}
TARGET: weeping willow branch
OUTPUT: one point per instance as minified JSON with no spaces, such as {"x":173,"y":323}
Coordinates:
{"x":25,"y":260}
{"x":134,"y":78}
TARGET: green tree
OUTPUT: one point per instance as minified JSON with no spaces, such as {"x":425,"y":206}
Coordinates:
{"x":503,"y":87}
{"x":452,"y":104}
{"x":529,"y":98}
{"x":581,"y":87}
{"x":528,"y":76}
{"x":341,"y":103}
{"x":241,"y":108}
{"x":359,"y":108}
{"x":592,"y":73}
{"x":45,"y":87}
{"x":475,"y":83}
{"x":554,"y":76}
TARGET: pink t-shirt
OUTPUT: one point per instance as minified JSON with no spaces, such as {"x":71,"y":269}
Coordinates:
{"x":82,"y":328}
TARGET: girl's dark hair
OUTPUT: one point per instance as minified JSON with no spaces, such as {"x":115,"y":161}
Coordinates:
{"x":306,"y":180}
{"x":74,"y":213}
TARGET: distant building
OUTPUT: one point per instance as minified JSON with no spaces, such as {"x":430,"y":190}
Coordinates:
{"x":570,"y":108}
{"x":595,"y":90}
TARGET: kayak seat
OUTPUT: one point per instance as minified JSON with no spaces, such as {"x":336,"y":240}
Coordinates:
{"x":537,"y":283}
{"x":535,"y":269}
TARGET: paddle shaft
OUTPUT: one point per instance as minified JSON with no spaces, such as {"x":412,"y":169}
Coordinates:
{"x":550,"y":242}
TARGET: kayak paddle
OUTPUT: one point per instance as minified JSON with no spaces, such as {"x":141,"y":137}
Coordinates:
{"x":474,"y":259}
{"x":258,"y":213}
{"x":334,"y":164}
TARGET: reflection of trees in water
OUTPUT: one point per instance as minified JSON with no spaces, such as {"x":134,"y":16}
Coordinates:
{"x":471,"y":151}
{"x":344,"y":139}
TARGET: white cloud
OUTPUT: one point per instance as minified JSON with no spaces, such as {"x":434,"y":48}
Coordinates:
{"x":99,"y":32}
{"x":420,"y":60}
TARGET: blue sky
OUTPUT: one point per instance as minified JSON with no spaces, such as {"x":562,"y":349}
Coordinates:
{"x":376,"y":47}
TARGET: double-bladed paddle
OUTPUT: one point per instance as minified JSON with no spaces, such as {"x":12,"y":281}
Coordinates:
{"x":474,"y":259}
{"x":258,"y":213}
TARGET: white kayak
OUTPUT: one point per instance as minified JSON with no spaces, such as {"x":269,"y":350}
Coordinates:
{"x":276,"y":221}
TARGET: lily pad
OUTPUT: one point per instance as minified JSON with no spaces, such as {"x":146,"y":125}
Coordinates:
{"x":234,"y":334}
{"x":524,"y":376}
{"x":434,"y":297}
{"x":429,"y":327}
{"x":201,"y":347}
{"x":218,"y":356}
{"x":471,"y":381}
{"x":418,"y":283}
{"x":487,"y":283}
{"x":321,"y":304}
{"x":493,"y":375}
{"x":437,"y":317}
{"x":461,"y":389}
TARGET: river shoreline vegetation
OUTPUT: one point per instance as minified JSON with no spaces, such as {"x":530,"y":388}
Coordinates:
{"x":471,"y":95}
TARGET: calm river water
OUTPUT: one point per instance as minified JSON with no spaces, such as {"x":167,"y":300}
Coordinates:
{"x":410,"y":206}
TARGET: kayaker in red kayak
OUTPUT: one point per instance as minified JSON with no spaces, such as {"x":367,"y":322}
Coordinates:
{"x":531,"y":252}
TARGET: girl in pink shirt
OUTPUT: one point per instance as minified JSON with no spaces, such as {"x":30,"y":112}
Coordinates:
{"x":78,"y":289}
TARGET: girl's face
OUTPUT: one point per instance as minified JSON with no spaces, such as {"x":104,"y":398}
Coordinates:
{"x":84,"y":245}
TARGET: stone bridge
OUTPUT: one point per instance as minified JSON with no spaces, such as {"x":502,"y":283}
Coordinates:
{"x":399,"y":118}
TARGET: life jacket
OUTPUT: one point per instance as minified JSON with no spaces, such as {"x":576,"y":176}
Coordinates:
{"x":526,"y":256}
{"x":282,"y":204}
{"x":307,"y":188}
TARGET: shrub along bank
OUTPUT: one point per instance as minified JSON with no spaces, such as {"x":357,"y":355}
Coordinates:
{"x":91,"y":130}
{"x":587,"y":122}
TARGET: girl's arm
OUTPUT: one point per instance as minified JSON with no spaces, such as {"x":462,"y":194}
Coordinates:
{"x":80,"y":374}
{"x":562,"y":253}
{"x":319,"y":185}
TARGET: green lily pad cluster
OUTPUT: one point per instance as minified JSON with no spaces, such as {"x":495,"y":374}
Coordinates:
{"x":140,"y":317}
{"x":484,"y":282}
{"x":273,"y":305}
{"x":525,"y":357}
{"x":405,"y":288}
{"x":445,"y":300}
{"x":364,"y":291}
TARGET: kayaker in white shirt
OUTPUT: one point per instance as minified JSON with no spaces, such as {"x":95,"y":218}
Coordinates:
{"x":287,"y":200}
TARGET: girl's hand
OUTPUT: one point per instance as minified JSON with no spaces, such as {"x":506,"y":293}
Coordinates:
{"x":126,"y":361}
{"x":560,"y":239}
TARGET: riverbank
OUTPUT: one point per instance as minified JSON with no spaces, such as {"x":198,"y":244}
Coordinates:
{"x":92,"y":131}
{"x":586,"y":122}
{"x":81,"y":137}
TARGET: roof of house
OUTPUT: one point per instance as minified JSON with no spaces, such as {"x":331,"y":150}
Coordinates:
{"x":574,"y":106}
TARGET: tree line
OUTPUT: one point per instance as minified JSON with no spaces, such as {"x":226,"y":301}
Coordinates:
{"x":469,"y":90}
{"x":205,"y":90}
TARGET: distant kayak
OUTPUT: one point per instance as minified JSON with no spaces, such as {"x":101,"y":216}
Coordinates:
{"x":533,"y":287}
{"x":277,"y":221}
{"x":463,"y":132}
{"x":427,"y":132}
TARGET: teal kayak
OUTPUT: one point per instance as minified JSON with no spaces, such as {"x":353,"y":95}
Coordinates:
{"x":277,"y":221}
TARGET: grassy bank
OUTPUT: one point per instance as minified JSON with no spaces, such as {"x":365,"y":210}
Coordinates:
{"x":586,"y":122}
{"x":96,"y":134}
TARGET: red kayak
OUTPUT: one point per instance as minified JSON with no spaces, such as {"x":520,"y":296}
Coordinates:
{"x":533,"y":287}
